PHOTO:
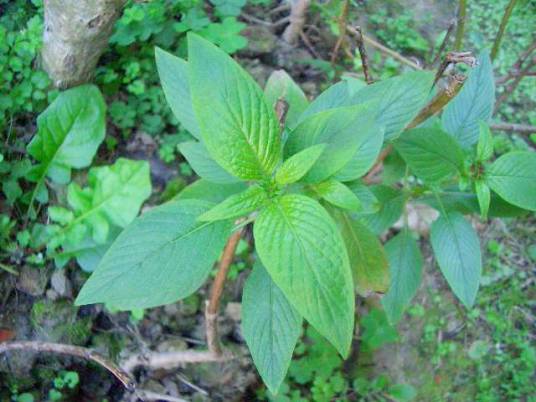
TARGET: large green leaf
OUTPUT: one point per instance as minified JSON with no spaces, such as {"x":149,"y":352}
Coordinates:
{"x":161,"y":257}
{"x":281,"y":86}
{"x":270,"y":325}
{"x":238,"y":127}
{"x":368,"y":149}
{"x":173,"y":73}
{"x":113,"y":197}
{"x":295,"y":167}
{"x":301,"y":248}
{"x":399,"y":99}
{"x":341,"y":129}
{"x":367,"y":256}
{"x":513,"y":177}
{"x":69,"y":132}
{"x":431,"y":154}
{"x":338,"y":194}
{"x":212,"y":192}
{"x":237,"y":205}
{"x":473,"y":103}
{"x":457,"y":250}
{"x":405,"y":267}
{"x":202,"y":163}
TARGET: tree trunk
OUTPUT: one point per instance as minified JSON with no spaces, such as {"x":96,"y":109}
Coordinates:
{"x":75,"y":35}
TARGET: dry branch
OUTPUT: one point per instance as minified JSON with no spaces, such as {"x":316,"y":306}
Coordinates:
{"x":363,"y":54}
{"x":516,"y":128}
{"x":297,"y":21}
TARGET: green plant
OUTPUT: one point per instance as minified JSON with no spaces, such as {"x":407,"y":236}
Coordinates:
{"x":315,"y":222}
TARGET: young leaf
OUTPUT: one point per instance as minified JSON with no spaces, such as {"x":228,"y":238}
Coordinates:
{"x":484,"y":148}
{"x":430,"y":153}
{"x":399,"y":99}
{"x":173,"y":73}
{"x":281,"y":86}
{"x":340,"y":129}
{"x":368,"y":149}
{"x":295,"y":167}
{"x":405,"y":267}
{"x":484,"y":198}
{"x":271,"y":327}
{"x":163,"y":256}
{"x":338,"y":194}
{"x":367,"y":256}
{"x":301,"y":248}
{"x":203,"y":165}
{"x":457,"y":250}
{"x":474,"y":103}
{"x":237,"y":205}
{"x":513,"y":177}
{"x":238,"y":127}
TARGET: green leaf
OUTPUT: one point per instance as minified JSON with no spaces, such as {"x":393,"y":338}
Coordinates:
{"x":399,"y":99}
{"x":474,"y":103}
{"x":338,"y":194}
{"x":212,"y":192}
{"x":281,"y":86}
{"x":203,"y":165}
{"x":391,"y":203}
{"x":367,"y":256}
{"x":484,"y":198}
{"x":513,"y":177}
{"x":340,"y":129}
{"x":369,"y":202}
{"x":271,"y":327}
{"x":173,"y":73}
{"x":405,"y":267}
{"x":431,"y":154}
{"x":484,"y":148}
{"x":335,"y":96}
{"x":295,"y":167}
{"x":114,"y":195}
{"x":237,"y":205}
{"x":69,"y":132}
{"x":238,"y":128}
{"x":301,"y":248}
{"x":457,"y":250}
{"x":162,"y":257}
{"x":368,"y":149}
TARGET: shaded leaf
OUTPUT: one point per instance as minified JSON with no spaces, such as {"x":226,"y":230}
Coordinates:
{"x":203,"y":165}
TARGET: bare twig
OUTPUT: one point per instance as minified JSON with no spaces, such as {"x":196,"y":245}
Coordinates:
{"x":502,"y":27}
{"x":385,"y":49}
{"x":213,"y":304}
{"x":460,"y":25}
{"x":516,"y":128}
{"x":516,"y":68}
{"x":70,"y":350}
{"x":363,"y":54}
{"x":342,"y":32}
{"x":169,"y":360}
{"x":297,"y":20}
{"x":443,"y":45}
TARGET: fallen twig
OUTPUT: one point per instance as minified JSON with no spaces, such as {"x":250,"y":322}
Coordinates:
{"x":70,"y":350}
{"x":516,"y":128}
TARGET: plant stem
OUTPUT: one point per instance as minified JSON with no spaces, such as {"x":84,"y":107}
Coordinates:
{"x":342,"y":32}
{"x":213,"y":304}
{"x":460,"y":25}
{"x":502,"y":27}
{"x":84,"y":353}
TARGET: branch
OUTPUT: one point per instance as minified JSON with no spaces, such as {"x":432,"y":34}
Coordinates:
{"x":384,"y":49}
{"x":70,"y":350}
{"x":363,"y":54}
{"x":297,"y":20}
{"x":504,"y":22}
{"x":342,"y":32}
{"x":460,"y":25}
{"x":516,"y":128}
{"x":213,"y":304}
{"x":443,"y":45}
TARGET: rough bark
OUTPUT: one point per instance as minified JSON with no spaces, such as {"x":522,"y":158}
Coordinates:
{"x":75,"y":35}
